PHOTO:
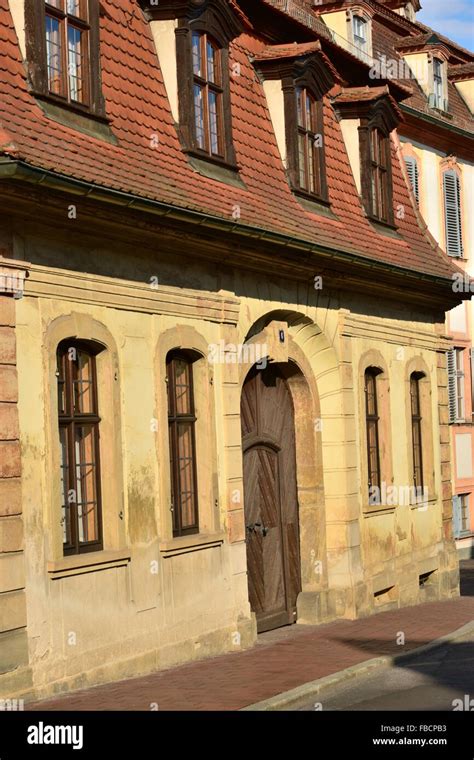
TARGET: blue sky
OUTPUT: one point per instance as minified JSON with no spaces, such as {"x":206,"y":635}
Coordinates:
{"x":453,"y":18}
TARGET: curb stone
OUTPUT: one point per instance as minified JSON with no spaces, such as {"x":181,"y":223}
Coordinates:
{"x":313,"y":688}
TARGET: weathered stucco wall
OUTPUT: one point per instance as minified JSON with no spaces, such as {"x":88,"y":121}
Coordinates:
{"x":149,"y":600}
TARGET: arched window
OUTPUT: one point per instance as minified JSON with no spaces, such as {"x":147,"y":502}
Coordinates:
{"x":310,"y":164}
{"x":372,"y":428}
{"x":79,"y":424}
{"x":182,"y":443}
{"x":416,"y":430}
{"x":207,"y":94}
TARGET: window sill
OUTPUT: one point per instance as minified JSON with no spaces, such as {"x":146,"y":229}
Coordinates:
{"x":441,"y":112}
{"x":424,"y":505}
{"x":384,"y":228}
{"x":196,"y":542}
{"x":217,"y":170}
{"x":76,"y":118}
{"x":91,"y":562}
{"x":313,"y":204}
{"x":378,"y":509}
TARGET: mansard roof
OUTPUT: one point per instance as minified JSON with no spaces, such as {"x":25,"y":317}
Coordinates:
{"x":138,"y":108}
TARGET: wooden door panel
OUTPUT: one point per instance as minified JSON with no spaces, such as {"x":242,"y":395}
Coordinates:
{"x":270,"y":496}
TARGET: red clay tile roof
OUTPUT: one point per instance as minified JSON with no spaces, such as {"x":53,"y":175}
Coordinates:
{"x":366,"y":95}
{"x":138,"y":109}
{"x":461,"y":71}
{"x":356,"y":94}
{"x":295,"y":50}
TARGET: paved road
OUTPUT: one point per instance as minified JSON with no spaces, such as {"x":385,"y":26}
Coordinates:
{"x":429,"y":681}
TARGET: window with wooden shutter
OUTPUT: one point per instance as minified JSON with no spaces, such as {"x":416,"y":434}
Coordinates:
{"x":456,"y":384}
{"x":412,"y":171}
{"x":452,"y":213}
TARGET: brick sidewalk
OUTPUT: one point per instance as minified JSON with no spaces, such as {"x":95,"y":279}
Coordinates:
{"x":280,"y":661}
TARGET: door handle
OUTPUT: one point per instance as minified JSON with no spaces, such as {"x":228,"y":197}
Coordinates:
{"x":257,"y":528}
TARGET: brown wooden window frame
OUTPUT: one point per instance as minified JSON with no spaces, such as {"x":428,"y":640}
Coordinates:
{"x":36,"y":13}
{"x":372,"y":420}
{"x":291,"y":86}
{"x":69,"y":420}
{"x":416,"y":429}
{"x":380,"y":196}
{"x":175,"y":419}
{"x":209,"y":87}
{"x":218,"y":24}
{"x":313,"y":167}
{"x":376,"y":172}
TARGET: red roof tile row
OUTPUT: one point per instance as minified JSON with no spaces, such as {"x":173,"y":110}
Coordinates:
{"x":138,"y":109}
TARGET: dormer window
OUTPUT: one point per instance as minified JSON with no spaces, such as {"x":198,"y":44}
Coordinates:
{"x":379,"y":176}
{"x":438,"y":82}
{"x":310,"y":163}
{"x":437,"y":97}
{"x":202,"y":72}
{"x":208,"y":94}
{"x":359,"y":33}
{"x":67,"y":47}
{"x":62,"y":39}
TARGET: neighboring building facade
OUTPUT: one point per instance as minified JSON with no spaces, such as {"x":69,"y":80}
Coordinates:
{"x":223,"y":374}
{"x":437,"y":146}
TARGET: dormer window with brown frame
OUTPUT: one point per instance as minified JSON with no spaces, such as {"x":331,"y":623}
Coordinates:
{"x":306,"y":77}
{"x":378,"y":115}
{"x":378,"y":181}
{"x":203,"y":35}
{"x":62,"y":39}
{"x":311,"y":176}
{"x":208,"y":95}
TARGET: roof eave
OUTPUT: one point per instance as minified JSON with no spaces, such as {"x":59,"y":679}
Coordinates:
{"x":21,"y":171}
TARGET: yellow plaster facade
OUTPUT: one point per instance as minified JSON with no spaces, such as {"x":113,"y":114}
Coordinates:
{"x":149,"y":600}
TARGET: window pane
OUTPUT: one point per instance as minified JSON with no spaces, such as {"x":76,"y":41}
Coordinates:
{"x":299,"y":102}
{"x":83,"y":384}
{"x":61,"y":359}
{"x":302,"y":159}
{"x":197,"y":62}
{"x":53,"y":54}
{"x":213,"y":123}
{"x":73,"y":7}
{"x":86,"y":485}
{"x":55,"y":3}
{"x":199,"y":116}
{"x":359,"y":30}
{"x":182,"y":386}
{"x":310,"y":159}
{"x":212,"y":64}
{"x":64,"y":479}
{"x":186,"y":474}
{"x":74,"y":47}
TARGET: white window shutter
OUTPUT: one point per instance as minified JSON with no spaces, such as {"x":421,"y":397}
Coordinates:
{"x":452,"y":390}
{"x":452,"y":213}
{"x":412,"y":171}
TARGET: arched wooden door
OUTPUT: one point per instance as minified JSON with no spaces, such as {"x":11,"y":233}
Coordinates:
{"x":270,"y":498}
